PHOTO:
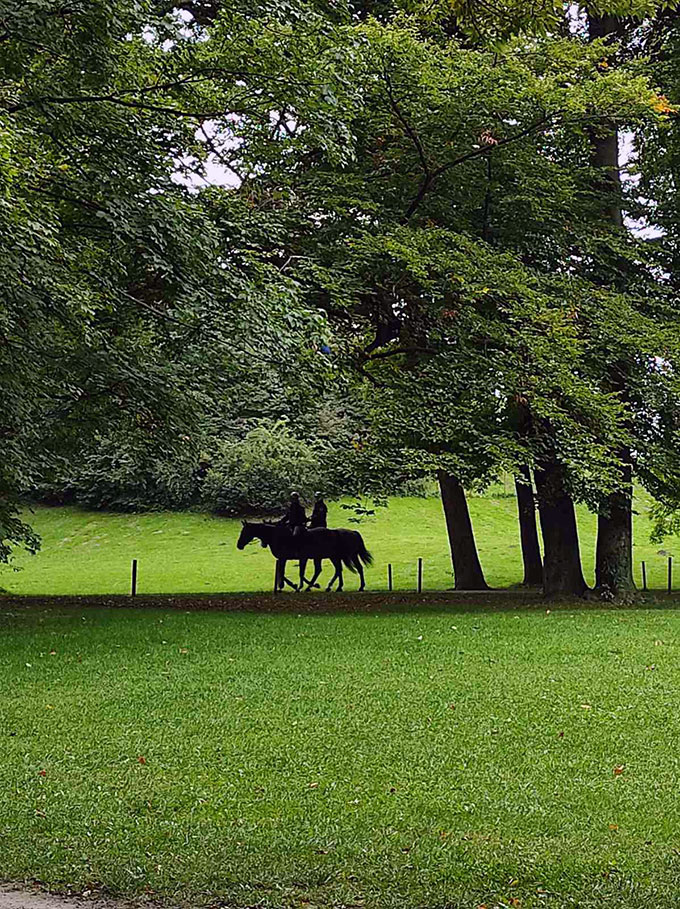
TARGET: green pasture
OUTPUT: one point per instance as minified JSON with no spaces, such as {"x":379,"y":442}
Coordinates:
{"x":90,"y":552}
{"x":422,"y":758}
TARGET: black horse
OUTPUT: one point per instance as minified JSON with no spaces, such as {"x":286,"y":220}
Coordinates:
{"x":342,"y":547}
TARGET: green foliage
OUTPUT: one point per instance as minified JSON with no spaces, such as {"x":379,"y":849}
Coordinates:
{"x":129,"y":301}
{"x":257,"y":474}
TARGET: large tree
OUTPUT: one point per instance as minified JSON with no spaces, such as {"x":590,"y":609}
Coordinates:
{"x":128,"y":298}
{"x":473,"y":161}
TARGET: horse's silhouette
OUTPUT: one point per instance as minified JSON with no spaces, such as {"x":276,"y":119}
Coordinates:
{"x":342,"y":547}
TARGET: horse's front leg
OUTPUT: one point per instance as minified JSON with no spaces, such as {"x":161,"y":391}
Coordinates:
{"x":284,"y":579}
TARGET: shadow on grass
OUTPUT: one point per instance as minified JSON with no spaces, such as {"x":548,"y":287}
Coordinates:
{"x":506,"y":600}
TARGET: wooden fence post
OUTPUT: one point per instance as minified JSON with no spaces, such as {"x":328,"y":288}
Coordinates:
{"x":670,"y":573}
{"x":644,"y":576}
{"x":133,"y":591}
{"x":420,"y":575}
{"x":389,"y":576}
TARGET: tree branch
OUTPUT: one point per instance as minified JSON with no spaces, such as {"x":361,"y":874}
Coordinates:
{"x":413,"y":135}
{"x":469,"y":156}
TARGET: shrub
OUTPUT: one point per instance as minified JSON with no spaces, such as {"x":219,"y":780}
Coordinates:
{"x":256,"y":474}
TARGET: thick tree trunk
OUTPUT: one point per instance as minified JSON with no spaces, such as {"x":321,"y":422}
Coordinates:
{"x":614,"y":551}
{"x":531,"y":551}
{"x":562,"y":571}
{"x":467,"y":569}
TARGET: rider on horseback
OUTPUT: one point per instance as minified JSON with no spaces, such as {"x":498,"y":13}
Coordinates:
{"x":319,"y":513}
{"x":295,"y":516}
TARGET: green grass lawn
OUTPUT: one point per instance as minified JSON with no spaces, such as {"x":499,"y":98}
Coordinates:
{"x":90,"y":552}
{"x":410,"y":759}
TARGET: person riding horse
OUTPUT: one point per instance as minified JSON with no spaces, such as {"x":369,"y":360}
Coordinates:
{"x":319,"y":513}
{"x":295,"y":517}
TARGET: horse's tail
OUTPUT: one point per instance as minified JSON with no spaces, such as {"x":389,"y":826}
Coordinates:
{"x":349,"y":561}
{"x":362,"y":552}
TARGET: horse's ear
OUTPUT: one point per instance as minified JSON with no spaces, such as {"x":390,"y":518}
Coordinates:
{"x":243,"y":522}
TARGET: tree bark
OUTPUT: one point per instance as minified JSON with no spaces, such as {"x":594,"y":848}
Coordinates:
{"x":531,"y":551}
{"x":614,"y":550}
{"x":562,"y":571}
{"x":467,"y":569}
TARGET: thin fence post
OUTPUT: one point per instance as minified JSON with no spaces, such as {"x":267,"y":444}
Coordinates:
{"x":670,"y":573}
{"x":133,"y":591}
{"x":644,"y":576}
{"x":276,"y":576}
{"x":420,"y":575}
{"x":389,"y":576}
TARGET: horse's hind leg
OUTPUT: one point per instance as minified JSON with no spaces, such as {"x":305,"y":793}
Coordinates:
{"x":317,"y":572}
{"x":360,"y":569}
{"x":337,"y":564}
{"x":303,"y":566}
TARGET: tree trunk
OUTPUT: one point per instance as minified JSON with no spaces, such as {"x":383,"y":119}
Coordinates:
{"x":467,"y":570}
{"x":562,"y":571}
{"x":614,"y":551}
{"x":531,"y":551}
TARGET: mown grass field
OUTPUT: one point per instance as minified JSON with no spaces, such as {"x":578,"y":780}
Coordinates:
{"x":421,"y":758}
{"x":90,"y":552}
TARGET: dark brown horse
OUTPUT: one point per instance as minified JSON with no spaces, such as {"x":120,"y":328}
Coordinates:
{"x":342,"y":547}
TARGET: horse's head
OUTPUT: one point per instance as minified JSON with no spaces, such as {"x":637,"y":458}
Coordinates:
{"x":250,"y":532}
{"x":247,"y":535}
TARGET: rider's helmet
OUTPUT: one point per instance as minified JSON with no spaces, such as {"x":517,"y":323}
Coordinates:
{"x":318,"y":495}
{"x":295,"y":495}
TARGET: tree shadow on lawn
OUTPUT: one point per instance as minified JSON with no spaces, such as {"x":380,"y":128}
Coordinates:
{"x":507,"y":600}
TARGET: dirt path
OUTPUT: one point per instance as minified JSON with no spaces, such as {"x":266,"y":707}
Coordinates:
{"x":12,"y":898}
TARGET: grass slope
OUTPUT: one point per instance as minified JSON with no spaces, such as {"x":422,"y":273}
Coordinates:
{"x":389,"y":760}
{"x":90,"y":552}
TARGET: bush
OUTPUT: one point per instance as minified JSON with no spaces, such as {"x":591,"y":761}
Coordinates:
{"x":256,"y":474}
{"x":121,"y":476}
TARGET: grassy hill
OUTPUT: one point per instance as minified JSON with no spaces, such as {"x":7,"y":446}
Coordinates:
{"x":90,"y":552}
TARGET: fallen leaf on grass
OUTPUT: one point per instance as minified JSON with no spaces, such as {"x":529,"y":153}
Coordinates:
{"x":619,"y":769}
{"x":42,"y":773}
{"x":560,"y":735}
{"x":586,"y":707}
{"x":141,"y":760}
{"x":513,"y":901}
{"x":613,"y":826}
{"x":183,"y":650}
{"x":313,"y":785}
